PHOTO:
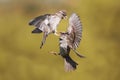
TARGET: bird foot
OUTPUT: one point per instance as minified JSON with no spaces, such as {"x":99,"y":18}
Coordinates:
{"x":55,"y":53}
{"x":57,"y":33}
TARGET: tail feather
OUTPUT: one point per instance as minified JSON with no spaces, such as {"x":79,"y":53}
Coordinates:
{"x":70,"y":65}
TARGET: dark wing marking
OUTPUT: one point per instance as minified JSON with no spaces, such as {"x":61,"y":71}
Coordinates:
{"x":74,"y":31}
{"x":38,"y":20}
{"x":36,"y":30}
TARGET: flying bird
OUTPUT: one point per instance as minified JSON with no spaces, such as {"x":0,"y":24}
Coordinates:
{"x":70,"y":40}
{"x":47,"y":24}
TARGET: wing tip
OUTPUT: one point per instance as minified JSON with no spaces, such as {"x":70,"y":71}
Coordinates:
{"x":74,"y":17}
{"x":30,"y":22}
{"x":75,"y":14}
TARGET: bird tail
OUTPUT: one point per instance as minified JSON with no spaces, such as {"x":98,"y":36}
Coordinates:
{"x":70,"y":65}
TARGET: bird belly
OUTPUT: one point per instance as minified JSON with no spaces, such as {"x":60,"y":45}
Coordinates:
{"x":64,"y":51}
{"x":54,"y":21}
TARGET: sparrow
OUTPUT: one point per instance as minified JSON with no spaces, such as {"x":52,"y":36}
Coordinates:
{"x":70,"y":40}
{"x":47,"y":24}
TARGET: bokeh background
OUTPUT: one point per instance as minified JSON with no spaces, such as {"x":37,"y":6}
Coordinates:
{"x":22,"y":59}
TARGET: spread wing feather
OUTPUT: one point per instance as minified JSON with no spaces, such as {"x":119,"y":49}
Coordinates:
{"x":74,"y":31}
{"x":38,"y":20}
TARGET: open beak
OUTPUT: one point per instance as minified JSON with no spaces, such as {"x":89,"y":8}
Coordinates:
{"x":65,"y":17}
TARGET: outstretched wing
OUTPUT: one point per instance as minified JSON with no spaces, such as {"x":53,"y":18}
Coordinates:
{"x":41,"y":26}
{"x":74,"y":31}
{"x":38,"y":20}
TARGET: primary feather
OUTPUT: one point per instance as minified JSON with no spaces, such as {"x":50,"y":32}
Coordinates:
{"x":74,"y":31}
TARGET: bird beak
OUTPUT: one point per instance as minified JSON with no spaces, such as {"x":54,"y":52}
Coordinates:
{"x":65,"y":17}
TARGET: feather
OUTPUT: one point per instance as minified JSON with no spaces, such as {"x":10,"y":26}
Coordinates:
{"x":74,"y":30}
{"x":38,"y":20}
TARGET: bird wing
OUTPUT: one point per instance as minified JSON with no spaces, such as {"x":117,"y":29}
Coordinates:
{"x":74,"y":31}
{"x":40,"y":23}
{"x":38,"y":20}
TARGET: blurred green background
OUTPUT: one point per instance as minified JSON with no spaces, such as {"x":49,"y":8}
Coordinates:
{"x":21,"y":58}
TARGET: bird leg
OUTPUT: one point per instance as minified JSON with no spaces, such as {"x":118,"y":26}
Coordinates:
{"x":57,"y":33}
{"x":55,"y":53}
{"x":43,"y":40}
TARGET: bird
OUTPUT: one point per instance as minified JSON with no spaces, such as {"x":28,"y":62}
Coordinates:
{"x":47,"y":24}
{"x":70,"y":40}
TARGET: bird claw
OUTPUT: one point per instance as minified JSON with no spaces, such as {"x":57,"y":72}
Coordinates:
{"x":55,"y":53}
{"x":57,"y":34}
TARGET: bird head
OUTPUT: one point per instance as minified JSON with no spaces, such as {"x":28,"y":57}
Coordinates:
{"x":62,"y":14}
{"x":63,"y":36}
